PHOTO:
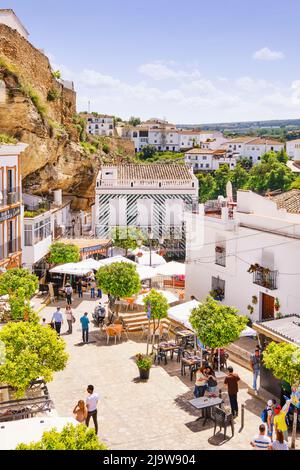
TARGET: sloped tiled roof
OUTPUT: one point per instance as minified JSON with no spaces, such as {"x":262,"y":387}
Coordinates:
{"x":289,"y":201}
{"x":154,"y":172}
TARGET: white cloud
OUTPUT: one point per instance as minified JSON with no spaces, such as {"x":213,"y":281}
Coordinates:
{"x":162,"y":71}
{"x":266,"y":54}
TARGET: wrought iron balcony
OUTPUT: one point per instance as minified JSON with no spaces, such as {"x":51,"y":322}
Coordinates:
{"x":11,"y":197}
{"x":266,"y":278}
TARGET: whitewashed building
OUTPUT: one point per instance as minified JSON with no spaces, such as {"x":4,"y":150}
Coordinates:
{"x":10,"y":206}
{"x":101,"y":124}
{"x":9,"y":18}
{"x":293,"y":149}
{"x":43,"y":224}
{"x":262,"y":234}
{"x":151,"y":197}
{"x":252,"y":147}
{"x":208,"y":160}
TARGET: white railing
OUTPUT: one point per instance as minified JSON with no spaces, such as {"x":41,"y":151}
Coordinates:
{"x":127,"y":184}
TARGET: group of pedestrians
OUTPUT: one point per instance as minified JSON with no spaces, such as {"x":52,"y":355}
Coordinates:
{"x":205,"y":381}
{"x":85,"y":410}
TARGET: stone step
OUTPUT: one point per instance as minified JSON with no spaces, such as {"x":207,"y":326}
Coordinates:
{"x":239,"y":356}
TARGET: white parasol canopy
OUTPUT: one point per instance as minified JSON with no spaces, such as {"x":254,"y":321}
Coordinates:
{"x":171,"y":269}
{"x":75,"y":269}
{"x":171,"y":298}
{"x":181,"y":313}
{"x":156,"y":260}
{"x":91,"y":263}
{"x":146,"y":272}
{"x":30,"y":430}
{"x":115,"y":259}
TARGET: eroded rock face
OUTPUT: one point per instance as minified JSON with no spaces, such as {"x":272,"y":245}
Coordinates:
{"x":55,"y":158}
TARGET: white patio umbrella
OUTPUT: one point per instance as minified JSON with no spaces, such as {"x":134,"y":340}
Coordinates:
{"x":156,"y":260}
{"x":115,"y":259}
{"x":171,"y":269}
{"x":74,"y":269}
{"x":91,"y":263}
{"x":171,"y":298}
{"x":146,"y":272}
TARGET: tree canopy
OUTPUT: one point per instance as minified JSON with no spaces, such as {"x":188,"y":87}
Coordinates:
{"x":158,"y":303}
{"x":20,"y":286}
{"x":70,"y":438}
{"x":32,"y":351}
{"x":283,"y":359}
{"x":119,"y":279}
{"x":217,"y":325}
{"x":148,"y":152}
{"x":270,"y":174}
{"x":134,"y":121}
{"x":126,"y":238}
{"x":60,"y":253}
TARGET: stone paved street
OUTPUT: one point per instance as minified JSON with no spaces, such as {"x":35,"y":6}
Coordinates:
{"x":133,"y":415}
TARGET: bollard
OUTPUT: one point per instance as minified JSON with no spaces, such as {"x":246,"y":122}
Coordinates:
{"x":242,"y":418}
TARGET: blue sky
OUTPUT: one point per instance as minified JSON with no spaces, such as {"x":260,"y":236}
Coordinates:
{"x":191,"y":62}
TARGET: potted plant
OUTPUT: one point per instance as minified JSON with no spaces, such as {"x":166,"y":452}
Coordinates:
{"x":254,"y":300}
{"x":277,"y":305}
{"x":250,"y":309}
{"x":144,"y":364}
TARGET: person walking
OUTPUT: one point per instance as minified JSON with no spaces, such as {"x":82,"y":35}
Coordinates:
{"x":70,"y":319}
{"x":93,"y":287}
{"x":255,"y":363}
{"x":279,"y":443}
{"x":57,"y":320}
{"x":261,"y":441}
{"x":79,"y":289}
{"x":80,"y":411}
{"x":231,"y":381}
{"x":201,"y":383}
{"x":69,"y":292}
{"x":85,"y":328}
{"x":99,"y":293}
{"x":91,"y":404}
{"x":280,"y":419}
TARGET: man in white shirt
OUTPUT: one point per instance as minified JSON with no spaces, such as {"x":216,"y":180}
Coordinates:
{"x":57,"y":319}
{"x":91,"y":404}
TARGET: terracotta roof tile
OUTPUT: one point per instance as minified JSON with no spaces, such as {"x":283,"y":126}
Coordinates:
{"x":289,"y":201}
{"x":156,"y":172}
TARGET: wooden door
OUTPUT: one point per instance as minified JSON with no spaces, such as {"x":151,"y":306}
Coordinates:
{"x":267,"y":307}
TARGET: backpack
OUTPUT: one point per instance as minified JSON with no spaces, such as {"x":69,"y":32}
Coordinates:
{"x":264,"y":415}
{"x":69,"y":290}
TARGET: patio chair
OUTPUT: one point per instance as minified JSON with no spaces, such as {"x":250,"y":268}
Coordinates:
{"x":111,"y":332}
{"x":222,"y":420}
{"x":165,"y":333}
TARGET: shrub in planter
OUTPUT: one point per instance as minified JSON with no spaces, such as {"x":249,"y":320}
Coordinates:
{"x":254,"y":300}
{"x":277,"y":305}
{"x":144,"y":364}
{"x":250,"y":309}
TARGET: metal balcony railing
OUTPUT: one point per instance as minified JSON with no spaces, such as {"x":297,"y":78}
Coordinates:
{"x":9,"y":248}
{"x":10,"y":197}
{"x":266,"y":278}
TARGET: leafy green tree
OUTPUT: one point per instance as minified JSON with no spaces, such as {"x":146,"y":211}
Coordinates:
{"x":207,"y":187}
{"x":222,"y":176}
{"x":296,"y":183}
{"x":70,"y":438}
{"x":32,"y":351}
{"x":217,"y":325}
{"x":119,"y":280}
{"x":282,"y":156}
{"x":148,"y":152}
{"x":270,"y":175}
{"x":15,"y":279}
{"x":126,"y":238}
{"x":239,"y":177}
{"x":20,"y":286}
{"x":134,"y":121}
{"x":159,"y":308}
{"x":246,"y":163}
{"x":283,"y":359}
{"x":60,"y":253}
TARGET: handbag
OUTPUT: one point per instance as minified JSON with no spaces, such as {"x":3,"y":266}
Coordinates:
{"x":73,"y":319}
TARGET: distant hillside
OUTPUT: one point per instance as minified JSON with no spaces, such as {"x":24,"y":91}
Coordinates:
{"x":240,"y":127}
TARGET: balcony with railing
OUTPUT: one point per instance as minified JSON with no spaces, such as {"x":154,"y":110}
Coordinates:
{"x":264,"y":277}
{"x":9,"y":248}
{"x":30,"y":212}
{"x":220,"y":259}
{"x":10,"y":197}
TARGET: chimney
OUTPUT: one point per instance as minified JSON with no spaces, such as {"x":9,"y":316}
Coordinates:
{"x":58,"y":197}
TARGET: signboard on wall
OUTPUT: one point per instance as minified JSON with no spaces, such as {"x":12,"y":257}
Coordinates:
{"x":10,"y":213}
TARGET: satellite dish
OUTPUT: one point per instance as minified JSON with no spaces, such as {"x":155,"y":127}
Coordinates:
{"x":229,"y":192}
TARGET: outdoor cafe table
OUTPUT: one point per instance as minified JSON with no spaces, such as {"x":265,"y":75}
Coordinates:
{"x":164,"y":348}
{"x":186,"y":337}
{"x":206,"y":405}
